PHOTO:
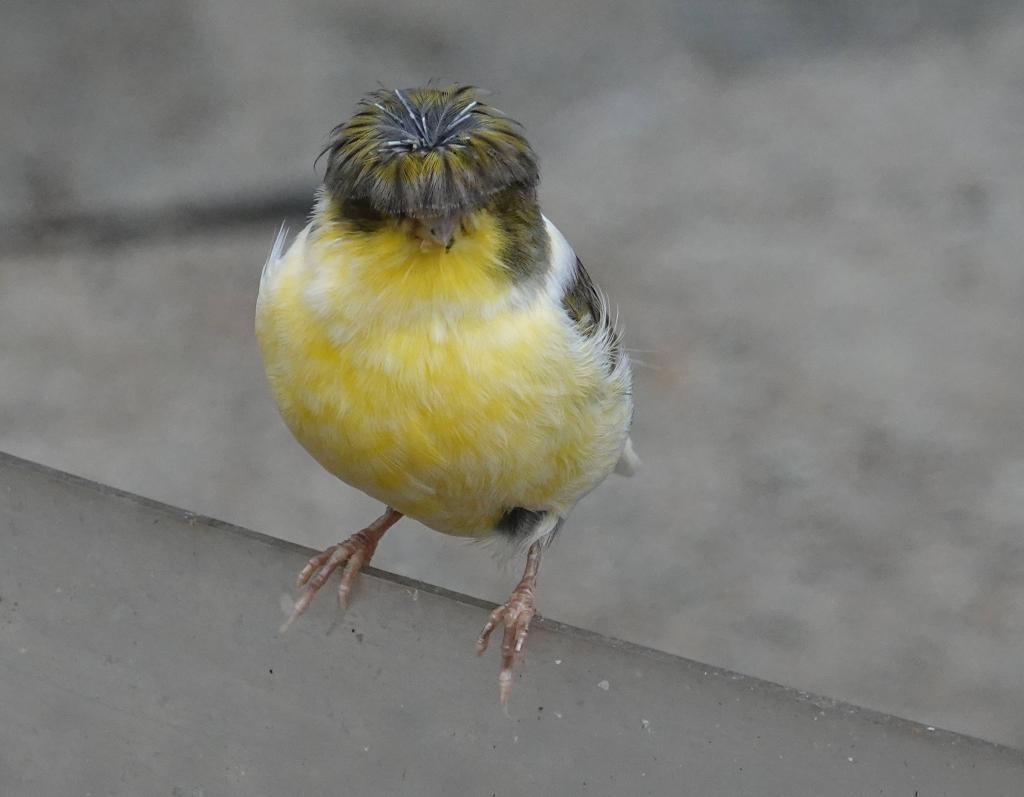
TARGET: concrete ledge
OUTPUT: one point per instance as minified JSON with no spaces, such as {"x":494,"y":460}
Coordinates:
{"x":138,"y":655}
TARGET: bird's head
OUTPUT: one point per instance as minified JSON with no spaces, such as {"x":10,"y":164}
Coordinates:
{"x":434,"y":162}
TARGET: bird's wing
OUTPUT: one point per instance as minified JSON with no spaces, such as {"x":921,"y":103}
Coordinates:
{"x":587,"y":306}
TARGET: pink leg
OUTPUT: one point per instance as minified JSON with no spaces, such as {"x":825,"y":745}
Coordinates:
{"x":352,"y":555}
{"x":515,"y":614}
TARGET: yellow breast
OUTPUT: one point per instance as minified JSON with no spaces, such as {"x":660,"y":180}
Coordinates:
{"x":431,"y":382}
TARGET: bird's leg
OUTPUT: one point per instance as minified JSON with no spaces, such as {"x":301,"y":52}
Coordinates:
{"x":352,"y":555}
{"x":515,"y":614}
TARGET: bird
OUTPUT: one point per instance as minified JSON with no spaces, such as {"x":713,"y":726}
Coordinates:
{"x":432,"y":340}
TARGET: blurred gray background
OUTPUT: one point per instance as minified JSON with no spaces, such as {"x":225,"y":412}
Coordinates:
{"x":810,"y":216}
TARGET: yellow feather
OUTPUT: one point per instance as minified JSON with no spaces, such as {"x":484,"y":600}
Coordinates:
{"x":430,"y":381}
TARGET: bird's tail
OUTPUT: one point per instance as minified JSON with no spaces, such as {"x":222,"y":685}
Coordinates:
{"x":629,"y":462}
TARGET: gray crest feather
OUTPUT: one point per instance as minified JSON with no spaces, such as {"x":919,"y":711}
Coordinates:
{"x":427,"y":151}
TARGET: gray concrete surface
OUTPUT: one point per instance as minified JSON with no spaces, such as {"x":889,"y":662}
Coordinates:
{"x":117,"y":105}
{"x":138,"y":655}
{"x":810,"y":217}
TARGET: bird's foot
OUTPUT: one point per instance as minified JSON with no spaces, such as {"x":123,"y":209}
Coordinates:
{"x":515,"y":614}
{"x":351,"y":556}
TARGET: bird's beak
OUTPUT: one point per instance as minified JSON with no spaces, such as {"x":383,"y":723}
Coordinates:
{"x":439,"y":230}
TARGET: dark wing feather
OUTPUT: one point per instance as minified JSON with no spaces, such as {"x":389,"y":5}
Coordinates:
{"x":520,"y":525}
{"x":589,"y":311}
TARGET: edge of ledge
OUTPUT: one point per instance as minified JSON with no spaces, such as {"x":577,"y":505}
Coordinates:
{"x":749,"y":682}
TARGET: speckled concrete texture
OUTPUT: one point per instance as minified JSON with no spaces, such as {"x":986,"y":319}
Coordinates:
{"x":143,"y":660}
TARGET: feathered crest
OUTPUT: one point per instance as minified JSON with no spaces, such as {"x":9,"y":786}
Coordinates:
{"x":426,"y":152}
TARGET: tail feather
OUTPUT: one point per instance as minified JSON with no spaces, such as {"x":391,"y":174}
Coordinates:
{"x":629,"y":462}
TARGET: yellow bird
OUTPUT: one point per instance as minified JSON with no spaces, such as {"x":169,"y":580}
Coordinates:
{"x":431,"y":339}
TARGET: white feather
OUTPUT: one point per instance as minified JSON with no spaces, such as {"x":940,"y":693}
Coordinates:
{"x":629,"y":462}
{"x":551,"y":523}
{"x":276,"y":251}
{"x":563,"y":263}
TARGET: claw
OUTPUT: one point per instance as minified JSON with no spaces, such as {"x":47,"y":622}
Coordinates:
{"x":348,"y":576}
{"x":351,"y":555}
{"x":485,"y":634}
{"x":515,"y":614}
{"x":313,"y":565}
